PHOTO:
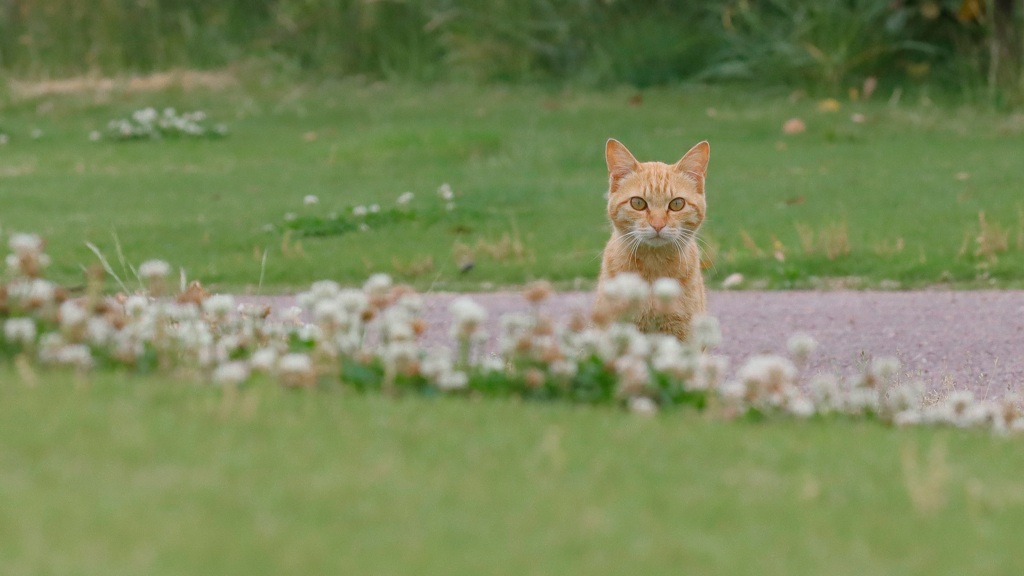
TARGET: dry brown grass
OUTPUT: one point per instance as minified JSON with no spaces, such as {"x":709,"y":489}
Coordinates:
{"x":415,"y":267}
{"x":832,"y":240}
{"x":156,"y":82}
{"x":508,"y":247}
{"x":990,"y":240}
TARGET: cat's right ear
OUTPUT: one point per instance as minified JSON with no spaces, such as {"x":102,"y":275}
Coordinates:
{"x":620,"y":162}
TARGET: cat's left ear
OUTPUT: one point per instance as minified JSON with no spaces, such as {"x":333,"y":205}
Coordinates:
{"x":695,"y":162}
{"x":620,"y":162}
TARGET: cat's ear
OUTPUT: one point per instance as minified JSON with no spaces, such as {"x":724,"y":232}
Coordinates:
{"x":695,"y":162}
{"x":620,"y":162}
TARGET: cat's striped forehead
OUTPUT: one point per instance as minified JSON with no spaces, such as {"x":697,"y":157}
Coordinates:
{"x":656,"y":179}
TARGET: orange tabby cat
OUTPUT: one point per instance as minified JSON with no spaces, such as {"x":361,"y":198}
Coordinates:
{"x":655,"y":210}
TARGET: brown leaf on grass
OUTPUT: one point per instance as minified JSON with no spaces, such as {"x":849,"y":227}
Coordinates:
{"x":794,"y":126}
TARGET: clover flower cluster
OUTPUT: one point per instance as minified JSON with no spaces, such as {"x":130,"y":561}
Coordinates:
{"x":359,"y":217}
{"x":370,"y":338}
{"x":147,"y":123}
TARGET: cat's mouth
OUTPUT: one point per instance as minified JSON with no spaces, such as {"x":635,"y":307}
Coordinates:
{"x":657,"y":241}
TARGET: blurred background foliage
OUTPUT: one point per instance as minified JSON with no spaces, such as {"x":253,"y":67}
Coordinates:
{"x":824,"y":46}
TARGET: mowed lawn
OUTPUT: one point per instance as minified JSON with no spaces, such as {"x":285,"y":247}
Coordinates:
{"x":878,"y":193}
{"x":123,"y":474}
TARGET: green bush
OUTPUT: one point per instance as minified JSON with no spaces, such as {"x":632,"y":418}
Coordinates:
{"x":824,"y":45}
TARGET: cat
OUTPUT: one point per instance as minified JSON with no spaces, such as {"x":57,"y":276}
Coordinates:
{"x":656,"y":210}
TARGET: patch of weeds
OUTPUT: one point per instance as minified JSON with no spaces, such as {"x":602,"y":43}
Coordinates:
{"x":312,"y":221}
{"x":148,"y":124}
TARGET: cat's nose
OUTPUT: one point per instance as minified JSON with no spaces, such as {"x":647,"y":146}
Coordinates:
{"x":657,"y":226}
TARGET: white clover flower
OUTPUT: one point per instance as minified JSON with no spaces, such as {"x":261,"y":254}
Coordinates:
{"x":13,"y":263}
{"x":75,"y":355}
{"x":405,"y":198}
{"x":861,"y":399}
{"x":41,"y":292}
{"x":770,"y":380}
{"x":492,"y":363}
{"x":710,"y":370}
{"x":800,"y":406}
{"x":144,"y":116}
{"x":885,"y":368}
{"x":619,"y":339}
{"x":49,"y":344}
{"x":324,"y":289}
{"x":296,"y":369}
{"x":26,"y":244}
{"x":355,"y":302}
{"x":563,"y":368}
{"x":670,"y":357}
{"x":378,"y":285}
{"x":359,"y":211}
{"x":826,"y":393}
{"x":515,"y":332}
{"x":290,"y":216}
{"x":705,"y":331}
{"x":295,"y":362}
{"x":626,"y":287}
{"x":396,"y":325}
{"x":126,"y":347}
{"x":454,"y":380}
{"x":959,"y":401}
{"x":400,"y":355}
{"x":373,"y":208}
{"x":412,"y":303}
{"x":633,"y":374}
{"x":801,"y":346}
{"x":364,"y":227}
{"x":436,"y":363}
{"x":309,"y":333}
{"x":330,"y":313}
{"x":231,"y":373}
{"x":347,"y":343}
{"x":72,"y":315}
{"x":643,"y":406}
{"x":666,"y":289}
{"x":904,"y":397}
{"x":135,"y":306}
{"x":906,"y":418}
{"x":310,"y":199}
{"x":95,"y":136}
{"x":292,"y":316}
{"x":733,"y":391}
{"x":264,"y":360}
{"x":445,"y":192}
{"x":98,"y":331}
{"x":449,"y":206}
{"x":979,"y":414}
{"x":219,"y":306}
{"x":20,"y":330}
{"x":36,"y":134}
{"x":468,"y":316}
{"x":154,"y":269}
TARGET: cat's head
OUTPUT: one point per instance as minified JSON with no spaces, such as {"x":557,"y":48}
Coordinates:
{"x":655,"y":204}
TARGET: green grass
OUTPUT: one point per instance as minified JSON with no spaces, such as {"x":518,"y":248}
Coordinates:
{"x":526,"y":163}
{"x":132,"y":475}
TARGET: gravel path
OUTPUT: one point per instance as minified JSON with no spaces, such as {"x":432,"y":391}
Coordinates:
{"x":949,"y":340}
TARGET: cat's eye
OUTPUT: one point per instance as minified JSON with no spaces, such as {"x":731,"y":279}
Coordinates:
{"x":676,"y":204}
{"x":637,"y":203}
